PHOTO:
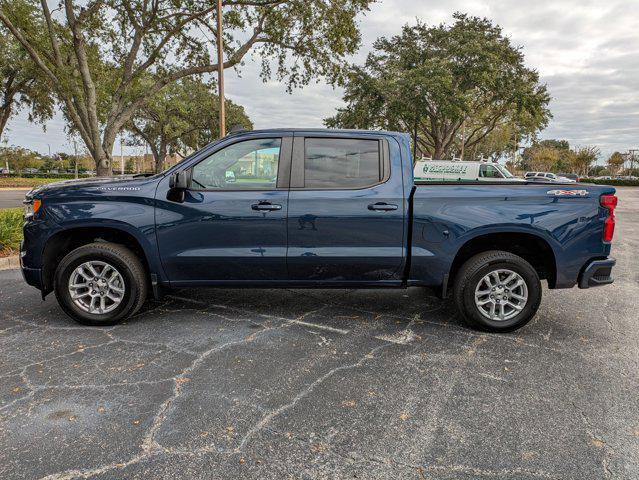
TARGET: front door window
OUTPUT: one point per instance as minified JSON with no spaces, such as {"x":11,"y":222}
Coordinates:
{"x":249,"y":165}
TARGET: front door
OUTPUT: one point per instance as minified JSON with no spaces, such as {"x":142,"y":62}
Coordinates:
{"x":346,"y":210}
{"x":231,"y":224}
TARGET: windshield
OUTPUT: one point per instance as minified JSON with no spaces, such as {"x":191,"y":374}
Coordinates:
{"x":504,"y":171}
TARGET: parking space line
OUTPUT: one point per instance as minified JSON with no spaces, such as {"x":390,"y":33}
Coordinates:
{"x":321,"y":327}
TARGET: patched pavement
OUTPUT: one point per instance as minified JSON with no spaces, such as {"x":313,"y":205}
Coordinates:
{"x":276,"y":384}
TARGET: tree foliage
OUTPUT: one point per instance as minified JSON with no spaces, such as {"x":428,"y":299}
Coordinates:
{"x":98,"y":54}
{"x":451,"y":86}
{"x":22,"y":85}
{"x":182,"y":117}
{"x":556,"y":156}
{"x":584,"y":159}
{"x":615,"y":162}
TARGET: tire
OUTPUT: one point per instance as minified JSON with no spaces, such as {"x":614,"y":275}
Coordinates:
{"x":124,"y":291}
{"x":504,"y":291}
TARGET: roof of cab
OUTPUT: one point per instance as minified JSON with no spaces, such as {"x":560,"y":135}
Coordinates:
{"x":338,"y":131}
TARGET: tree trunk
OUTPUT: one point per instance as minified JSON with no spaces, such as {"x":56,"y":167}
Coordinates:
{"x":5,"y":113}
{"x":103,"y":165}
{"x":159,"y":158}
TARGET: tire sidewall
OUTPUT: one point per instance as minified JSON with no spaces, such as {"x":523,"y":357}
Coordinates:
{"x":66,"y":268}
{"x":534,"y":295}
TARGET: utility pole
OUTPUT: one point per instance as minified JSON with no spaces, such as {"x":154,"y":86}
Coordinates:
{"x":121,"y":155}
{"x":463,"y":141}
{"x":220,"y":70}
{"x":633,"y":152}
{"x":75,"y":157}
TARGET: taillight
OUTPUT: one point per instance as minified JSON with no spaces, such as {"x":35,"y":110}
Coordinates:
{"x":609,"y":202}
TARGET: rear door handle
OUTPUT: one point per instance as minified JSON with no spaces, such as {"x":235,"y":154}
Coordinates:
{"x":381,"y":206}
{"x":266,"y":207}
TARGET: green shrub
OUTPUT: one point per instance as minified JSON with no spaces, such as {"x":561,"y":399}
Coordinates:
{"x":10,"y":230}
{"x":59,"y":176}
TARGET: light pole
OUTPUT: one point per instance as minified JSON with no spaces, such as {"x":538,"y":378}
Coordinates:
{"x":121,"y":155}
{"x":75,"y":157}
{"x":220,"y":70}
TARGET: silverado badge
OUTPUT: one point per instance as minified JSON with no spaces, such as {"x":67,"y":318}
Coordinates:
{"x":568,"y":193}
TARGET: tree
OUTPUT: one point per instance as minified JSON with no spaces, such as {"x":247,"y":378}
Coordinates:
{"x":99,"y":54}
{"x":502,"y":141}
{"x":599,"y":170}
{"x":584,"y":157}
{"x":616,"y":162}
{"x":183,"y":116}
{"x":450,"y":86}
{"x":19,"y":158}
{"x":21,"y":84}
{"x":544,"y":158}
{"x":564,"y":157}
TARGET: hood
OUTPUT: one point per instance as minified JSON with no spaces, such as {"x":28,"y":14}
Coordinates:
{"x":75,"y":184}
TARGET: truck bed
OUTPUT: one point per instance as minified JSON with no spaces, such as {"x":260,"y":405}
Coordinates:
{"x":447,"y":216}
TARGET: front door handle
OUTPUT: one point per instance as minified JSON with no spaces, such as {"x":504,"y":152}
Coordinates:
{"x":383,"y":207}
{"x":266,"y":207}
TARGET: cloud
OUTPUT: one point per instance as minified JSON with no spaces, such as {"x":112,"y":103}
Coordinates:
{"x":587,"y":51}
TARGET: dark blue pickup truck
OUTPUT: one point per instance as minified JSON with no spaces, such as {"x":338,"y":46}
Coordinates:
{"x":314,"y":208}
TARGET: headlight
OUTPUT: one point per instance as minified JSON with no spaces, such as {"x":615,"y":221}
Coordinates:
{"x":31,"y":207}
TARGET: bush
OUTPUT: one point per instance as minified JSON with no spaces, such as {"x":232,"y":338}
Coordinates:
{"x":59,"y":176}
{"x":612,"y":183}
{"x":10,"y":230}
{"x":18,"y":182}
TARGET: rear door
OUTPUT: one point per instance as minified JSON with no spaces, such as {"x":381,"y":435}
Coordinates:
{"x":346,"y":210}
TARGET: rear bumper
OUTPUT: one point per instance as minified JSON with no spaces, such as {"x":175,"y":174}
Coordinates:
{"x":597,"y":273}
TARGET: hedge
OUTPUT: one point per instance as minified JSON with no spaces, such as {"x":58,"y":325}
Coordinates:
{"x":60,"y":176}
{"x":612,"y":183}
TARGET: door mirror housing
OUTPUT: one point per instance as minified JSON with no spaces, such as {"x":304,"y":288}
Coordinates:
{"x":180,"y":180}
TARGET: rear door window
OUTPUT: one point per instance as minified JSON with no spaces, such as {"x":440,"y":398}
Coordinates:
{"x":342,"y":163}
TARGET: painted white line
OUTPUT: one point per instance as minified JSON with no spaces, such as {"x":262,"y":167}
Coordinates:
{"x":321,"y":327}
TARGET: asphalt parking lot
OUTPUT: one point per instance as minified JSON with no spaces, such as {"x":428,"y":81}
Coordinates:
{"x":275,"y":384}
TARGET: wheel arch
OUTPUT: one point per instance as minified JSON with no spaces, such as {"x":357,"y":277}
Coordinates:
{"x":533,"y":248}
{"x":68,"y":239}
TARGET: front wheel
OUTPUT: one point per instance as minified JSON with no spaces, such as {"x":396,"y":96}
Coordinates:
{"x":100,"y":284}
{"x":497,"y":291}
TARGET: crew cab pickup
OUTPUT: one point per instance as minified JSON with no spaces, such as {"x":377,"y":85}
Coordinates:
{"x":314,"y":208}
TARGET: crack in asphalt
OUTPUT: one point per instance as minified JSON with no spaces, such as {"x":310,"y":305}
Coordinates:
{"x":278,"y":411}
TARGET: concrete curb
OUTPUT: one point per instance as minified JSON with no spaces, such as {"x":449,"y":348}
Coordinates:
{"x":7,"y":263}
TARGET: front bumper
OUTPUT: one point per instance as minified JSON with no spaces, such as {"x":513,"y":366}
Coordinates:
{"x":597,"y":273}
{"x":33,"y":276}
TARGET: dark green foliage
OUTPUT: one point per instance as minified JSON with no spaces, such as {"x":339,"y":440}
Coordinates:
{"x":450,"y":86}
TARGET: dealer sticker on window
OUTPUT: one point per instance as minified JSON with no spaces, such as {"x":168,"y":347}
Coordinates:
{"x":568,"y":193}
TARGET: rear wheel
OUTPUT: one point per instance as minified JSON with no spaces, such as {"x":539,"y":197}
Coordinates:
{"x":497,"y":291}
{"x":100,"y":284}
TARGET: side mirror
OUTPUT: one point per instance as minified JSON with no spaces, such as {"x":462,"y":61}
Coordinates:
{"x":178,"y":183}
{"x":179,"y":180}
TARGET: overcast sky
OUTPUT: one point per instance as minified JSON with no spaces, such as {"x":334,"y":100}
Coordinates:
{"x":587,"y":51}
